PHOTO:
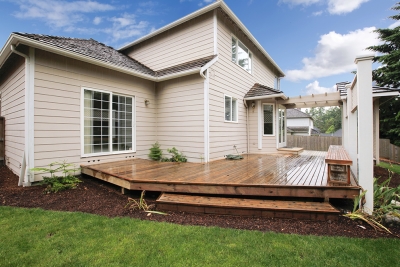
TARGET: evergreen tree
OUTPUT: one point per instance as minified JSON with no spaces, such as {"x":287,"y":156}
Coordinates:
{"x":389,"y":75}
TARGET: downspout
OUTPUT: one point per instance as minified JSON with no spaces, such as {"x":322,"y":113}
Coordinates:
{"x":25,"y":180}
{"x":206,"y":107}
{"x":247,"y":125}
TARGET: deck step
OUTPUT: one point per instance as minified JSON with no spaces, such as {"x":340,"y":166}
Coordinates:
{"x":247,"y":207}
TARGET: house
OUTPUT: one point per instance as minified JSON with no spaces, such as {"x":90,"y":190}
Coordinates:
{"x":300,"y":123}
{"x":202,"y":84}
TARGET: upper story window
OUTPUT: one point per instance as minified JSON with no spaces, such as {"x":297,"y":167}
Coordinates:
{"x":241,"y":54}
{"x":230,"y":109}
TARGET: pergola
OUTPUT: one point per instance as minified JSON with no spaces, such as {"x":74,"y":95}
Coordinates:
{"x":359,"y":102}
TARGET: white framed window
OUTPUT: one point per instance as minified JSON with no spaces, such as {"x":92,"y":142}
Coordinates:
{"x":107,"y":120}
{"x":268,"y":119}
{"x":231,"y":109}
{"x":241,"y":55}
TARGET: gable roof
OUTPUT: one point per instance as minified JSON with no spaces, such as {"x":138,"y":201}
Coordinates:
{"x":296,"y":113}
{"x":94,"y":52}
{"x":261,"y":90}
{"x":217,"y":4}
{"x":90,"y":48}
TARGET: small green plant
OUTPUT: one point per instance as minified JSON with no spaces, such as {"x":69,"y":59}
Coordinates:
{"x":156,"y":152}
{"x":176,"y":156}
{"x":385,"y":198}
{"x":56,"y":183}
{"x":141,"y":204}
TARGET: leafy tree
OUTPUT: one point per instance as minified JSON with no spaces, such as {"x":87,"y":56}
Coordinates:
{"x":389,"y":75}
{"x":326,"y":120}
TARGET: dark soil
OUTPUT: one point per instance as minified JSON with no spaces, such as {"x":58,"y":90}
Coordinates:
{"x":97,"y":197}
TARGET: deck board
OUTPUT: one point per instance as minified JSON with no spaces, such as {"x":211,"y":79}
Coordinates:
{"x":256,"y":174}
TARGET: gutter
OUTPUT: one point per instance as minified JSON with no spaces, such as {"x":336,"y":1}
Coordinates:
{"x":281,"y":95}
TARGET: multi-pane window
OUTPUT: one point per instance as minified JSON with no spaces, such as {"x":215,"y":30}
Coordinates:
{"x":230,"y":109}
{"x":241,"y":54}
{"x":268,"y":112}
{"x":107,"y":122}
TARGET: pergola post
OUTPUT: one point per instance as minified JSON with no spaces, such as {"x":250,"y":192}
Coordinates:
{"x":365,"y":129}
{"x":351,"y":131}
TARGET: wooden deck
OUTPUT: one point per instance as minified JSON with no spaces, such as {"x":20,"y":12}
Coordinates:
{"x":277,"y":175}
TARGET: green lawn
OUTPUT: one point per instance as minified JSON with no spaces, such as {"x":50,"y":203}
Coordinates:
{"x":393,"y":167}
{"x":34,"y":237}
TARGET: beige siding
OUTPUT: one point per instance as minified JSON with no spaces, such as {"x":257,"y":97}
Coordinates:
{"x":227,"y":78}
{"x":188,"y":41}
{"x":12,"y":89}
{"x":58,"y":83}
{"x":180,"y":116}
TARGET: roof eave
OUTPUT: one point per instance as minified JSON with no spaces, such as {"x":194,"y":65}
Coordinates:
{"x":201,"y":12}
{"x":281,"y":95}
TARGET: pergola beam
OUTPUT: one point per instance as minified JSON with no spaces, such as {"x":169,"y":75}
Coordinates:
{"x":309,"y":101}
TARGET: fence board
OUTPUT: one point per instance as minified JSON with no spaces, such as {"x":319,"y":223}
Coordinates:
{"x":317,"y":143}
{"x":389,"y":151}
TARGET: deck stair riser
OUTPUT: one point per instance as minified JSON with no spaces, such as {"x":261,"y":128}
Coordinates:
{"x":247,"y":207}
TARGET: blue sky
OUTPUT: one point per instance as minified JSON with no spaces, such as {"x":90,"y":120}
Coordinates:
{"x":313,"y":41}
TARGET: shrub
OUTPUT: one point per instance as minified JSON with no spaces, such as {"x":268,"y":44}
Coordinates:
{"x":157,"y":155}
{"x":56,"y":183}
{"x":156,"y":152}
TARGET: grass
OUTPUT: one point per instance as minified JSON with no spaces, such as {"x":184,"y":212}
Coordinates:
{"x":35,"y":237}
{"x":393,"y":167}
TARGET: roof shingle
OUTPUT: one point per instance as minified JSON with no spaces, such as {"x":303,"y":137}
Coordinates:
{"x":261,"y":90}
{"x":93,"y":49}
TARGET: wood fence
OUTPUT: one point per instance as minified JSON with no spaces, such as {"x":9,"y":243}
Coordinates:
{"x":2,"y":140}
{"x":317,"y":143}
{"x":389,"y":151}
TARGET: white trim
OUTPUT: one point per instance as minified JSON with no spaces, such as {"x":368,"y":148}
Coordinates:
{"x":385,"y":94}
{"x":237,"y":111}
{"x":82,"y":128}
{"x":281,"y":95}
{"x":204,"y":10}
{"x":31,"y":113}
{"x":273,"y":119}
{"x":215,"y":21}
{"x":206,"y":118}
{"x":259,"y":124}
{"x":250,"y":54}
{"x":283,"y":144}
{"x":208,"y":65}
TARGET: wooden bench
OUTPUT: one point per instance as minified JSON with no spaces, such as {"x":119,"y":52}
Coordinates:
{"x":339,"y":163}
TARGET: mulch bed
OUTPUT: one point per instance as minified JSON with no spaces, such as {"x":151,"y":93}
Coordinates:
{"x":97,"y":197}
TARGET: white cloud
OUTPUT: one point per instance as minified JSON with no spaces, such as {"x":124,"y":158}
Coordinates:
{"x":335,"y":7}
{"x":97,"y":20}
{"x":314,"y":88}
{"x":335,"y":54}
{"x":299,"y":2}
{"x":344,"y":6}
{"x":125,"y":27}
{"x":318,"y":13}
{"x":394,"y":25}
{"x":58,"y":13}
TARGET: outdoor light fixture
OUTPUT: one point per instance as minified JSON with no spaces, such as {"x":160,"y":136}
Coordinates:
{"x":253,"y":105}
{"x":146,"y":102}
